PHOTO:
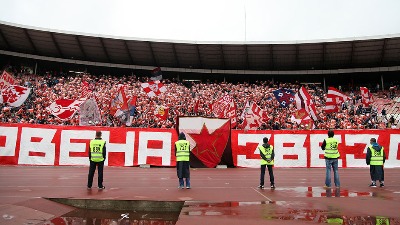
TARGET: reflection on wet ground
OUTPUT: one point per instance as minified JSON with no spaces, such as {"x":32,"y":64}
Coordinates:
{"x":107,"y":217}
{"x":315,"y":192}
{"x":283,"y":210}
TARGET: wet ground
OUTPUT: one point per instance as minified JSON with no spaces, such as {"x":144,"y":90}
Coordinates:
{"x":218,"y":196}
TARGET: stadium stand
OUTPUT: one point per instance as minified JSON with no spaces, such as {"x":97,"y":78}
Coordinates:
{"x":191,"y":99}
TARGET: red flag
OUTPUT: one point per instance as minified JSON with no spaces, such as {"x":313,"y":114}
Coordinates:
{"x":119,"y":104}
{"x":253,"y":116}
{"x":301,"y":117}
{"x":161,"y":112}
{"x":333,"y":99}
{"x":304,"y":101}
{"x":85,"y":90}
{"x":64,"y":108}
{"x":6,"y":80}
{"x":366,"y":97}
{"x":225,"y":107}
{"x":14,"y":95}
{"x":196,"y":106}
{"x":153,"y":88}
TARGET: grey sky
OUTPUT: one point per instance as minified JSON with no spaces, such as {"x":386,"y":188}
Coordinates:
{"x":211,"y":20}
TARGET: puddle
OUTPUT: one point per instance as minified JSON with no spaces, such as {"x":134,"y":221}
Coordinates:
{"x":282,"y":211}
{"x":318,"y":192}
{"x":108,"y":217}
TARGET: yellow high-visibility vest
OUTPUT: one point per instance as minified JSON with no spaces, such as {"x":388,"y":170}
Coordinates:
{"x":182,"y":150}
{"x":376,"y":157}
{"x":331,"y":148}
{"x":268,"y":154}
{"x":96,"y":150}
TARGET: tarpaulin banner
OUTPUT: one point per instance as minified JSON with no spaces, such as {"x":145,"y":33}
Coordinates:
{"x":23,"y":144}
{"x":35,"y":144}
{"x":296,"y":148}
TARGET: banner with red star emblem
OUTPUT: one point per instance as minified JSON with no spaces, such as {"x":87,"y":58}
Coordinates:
{"x":14,"y":95}
{"x":209,"y":140}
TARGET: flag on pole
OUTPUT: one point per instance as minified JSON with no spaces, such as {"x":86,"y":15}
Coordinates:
{"x":6,"y":79}
{"x":304,"y":101}
{"x":301,"y":117}
{"x":225,"y":107}
{"x":252,"y":116}
{"x":284,"y":96}
{"x":64,"y":108}
{"x":119,"y":104}
{"x":333,"y":99}
{"x":161,"y":112}
{"x":366,"y":97}
{"x":14,"y":95}
{"x":89,"y":113}
{"x":85,"y":90}
{"x":153,"y":88}
{"x":156,"y":74}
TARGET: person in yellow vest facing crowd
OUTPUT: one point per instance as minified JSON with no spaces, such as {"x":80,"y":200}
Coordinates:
{"x":331,"y":155}
{"x":182,"y":153}
{"x":267,"y":155}
{"x":97,"y":155}
{"x":375,"y":159}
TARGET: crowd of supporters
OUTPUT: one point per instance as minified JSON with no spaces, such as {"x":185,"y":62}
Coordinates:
{"x":182,"y":99}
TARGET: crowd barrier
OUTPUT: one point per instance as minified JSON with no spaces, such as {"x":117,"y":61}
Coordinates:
{"x":48,"y":145}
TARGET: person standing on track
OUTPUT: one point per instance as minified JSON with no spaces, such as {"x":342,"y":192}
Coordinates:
{"x":267,"y":155}
{"x":330,"y":147}
{"x":97,"y":155}
{"x":375,"y":159}
{"x":182,"y":153}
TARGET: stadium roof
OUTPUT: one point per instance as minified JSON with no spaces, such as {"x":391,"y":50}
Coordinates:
{"x":365,"y":52}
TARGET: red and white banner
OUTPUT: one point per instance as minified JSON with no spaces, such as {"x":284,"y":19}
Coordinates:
{"x":366,"y":97}
{"x":64,"y":108}
{"x":153,"y":88}
{"x":303,"y":148}
{"x":25,"y":144}
{"x":333,"y":99}
{"x":304,"y":101}
{"x":14,"y":95}
{"x":161,"y":112}
{"x":225,"y":107}
{"x":252,"y":116}
{"x":6,"y":80}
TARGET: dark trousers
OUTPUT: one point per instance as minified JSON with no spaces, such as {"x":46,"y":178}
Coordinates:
{"x":92,"y":169}
{"x":376,"y":173}
{"x":271,"y":174}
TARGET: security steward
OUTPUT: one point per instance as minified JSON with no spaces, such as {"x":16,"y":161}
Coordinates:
{"x":267,"y":155}
{"x":182,"y":153}
{"x":375,"y":159}
{"x":331,"y":155}
{"x":97,"y":155}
